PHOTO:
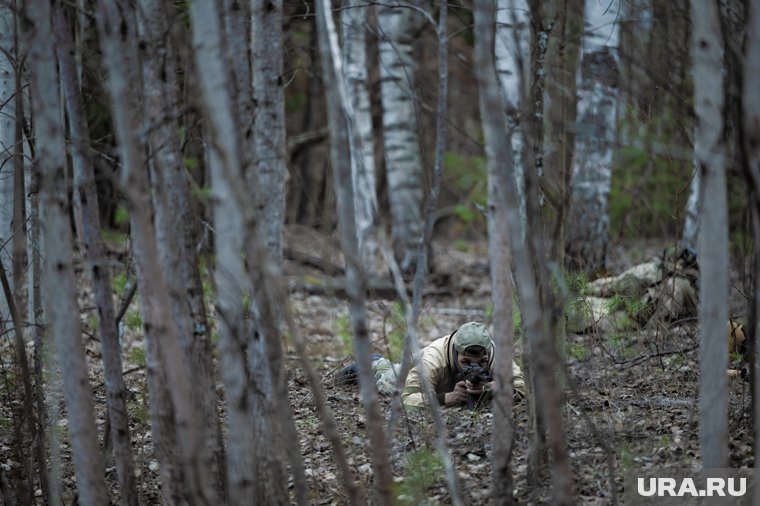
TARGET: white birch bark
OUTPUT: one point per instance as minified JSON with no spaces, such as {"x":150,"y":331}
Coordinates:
{"x":269,"y":124}
{"x":692,"y":212}
{"x":7,"y":130}
{"x":355,"y":65}
{"x":504,"y":158}
{"x":588,"y":226}
{"x":84,"y":179}
{"x":339,"y":116}
{"x":61,"y":307}
{"x":710,"y":153}
{"x":403,"y":163}
{"x":512,"y":57}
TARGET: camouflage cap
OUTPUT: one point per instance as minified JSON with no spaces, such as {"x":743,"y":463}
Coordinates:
{"x":472,"y":334}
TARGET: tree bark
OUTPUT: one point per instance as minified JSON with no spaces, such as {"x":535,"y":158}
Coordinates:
{"x":355,"y":64}
{"x":529,"y":279}
{"x":512,"y":58}
{"x":230,"y":278}
{"x":7,"y":128}
{"x":504,"y":161}
{"x":176,"y":225}
{"x":713,"y":233}
{"x":184,"y":478}
{"x":588,"y":228}
{"x":84,"y":179}
{"x":751,"y":135}
{"x":560,"y":112}
{"x":60,"y":302}
{"x":269,"y":124}
{"x":403,"y":164}
{"x":339,"y":117}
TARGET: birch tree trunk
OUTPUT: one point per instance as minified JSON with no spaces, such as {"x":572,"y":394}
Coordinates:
{"x":7,"y":129}
{"x":230,"y":277}
{"x":262,"y":351}
{"x":751,"y":125}
{"x":403,"y":164}
{"x":60,"y":302}
{"x":692,"y":212}
{"x":269,"y":124}
{"x":163,"y":345}
{"x":529,"y":279}
{"x":265,"y":357}
{"x":710,"y":152}
{"x":355,"y":65}
{"x":339,"y":117}
{"x":177,"y":237}
{"x":512,"y":57}
{"x":560,"y":112}
{"x":20,"y":265}
{"x":84,"y":179}
{"x":503,"y":162}
{"x":588,"y":226}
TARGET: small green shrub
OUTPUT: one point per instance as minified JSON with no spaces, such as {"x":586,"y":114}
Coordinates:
{"x":119,"y":284}
{"x":133,"y":320}
{"x":136,"y":355}
{"x":423,"y":470}
{"x":346,"y":336}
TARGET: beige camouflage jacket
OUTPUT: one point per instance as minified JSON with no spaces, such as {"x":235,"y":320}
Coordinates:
{"x":438,"y":359}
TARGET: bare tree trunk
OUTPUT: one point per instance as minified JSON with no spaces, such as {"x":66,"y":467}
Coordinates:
{"x":751,"y":126}
{"x":529,"y":279}
{"x":560,"y":112}
{"x":84,"y":178}
{"x":7,"y":127}
{"x":503,"y":164}
{"x":588,"y":228}
{"x":339,"y":115}
{"x":503,"y":213}
{"x":354,"y":51}
{"x":61,"y":306}
{"x":18,"y":224}
{"x":263,"y":350}
{"x":176,"y":226}
{"x":269,"y":124}
{"x":512,"y":55}
{"x":403,"y":165}
{"x":713,"y":233}
{"x":164,"y":350}
{"x":265,"y":357}
{"x":230,"y":278}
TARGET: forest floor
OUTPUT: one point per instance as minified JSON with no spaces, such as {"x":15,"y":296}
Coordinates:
{"x":631,"y":399}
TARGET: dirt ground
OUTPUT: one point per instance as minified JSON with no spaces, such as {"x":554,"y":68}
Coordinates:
{"x":630,"y":399}
{"x":631,"y":402}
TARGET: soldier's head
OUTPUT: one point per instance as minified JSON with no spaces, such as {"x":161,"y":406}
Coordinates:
{"x":473,"y":345}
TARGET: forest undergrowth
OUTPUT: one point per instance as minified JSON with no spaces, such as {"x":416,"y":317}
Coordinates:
{"x":630,"y":399}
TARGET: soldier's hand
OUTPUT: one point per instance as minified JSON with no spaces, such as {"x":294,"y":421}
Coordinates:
{"x":457,"y":396}
{"x":479,"y":388}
